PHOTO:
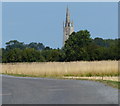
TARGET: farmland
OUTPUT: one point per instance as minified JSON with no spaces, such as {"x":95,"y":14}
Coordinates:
{"x":60,"y":69}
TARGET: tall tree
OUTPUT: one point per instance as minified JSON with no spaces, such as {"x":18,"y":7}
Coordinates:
{"x":75,"y":46}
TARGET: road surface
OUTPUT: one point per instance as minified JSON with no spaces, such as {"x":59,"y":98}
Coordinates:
{"x":19,"y":90}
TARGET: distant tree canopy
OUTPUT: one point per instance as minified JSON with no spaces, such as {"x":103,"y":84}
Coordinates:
{"x":16,"y":44}
{"x":79,"y":46}
{"x":36,"y":46}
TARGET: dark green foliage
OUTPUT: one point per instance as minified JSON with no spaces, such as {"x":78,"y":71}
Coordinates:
{"x":36,"y":46}
{"x":76,"y":46}
{"x":1,"y":54}
{"x":79,"y":46}
{"x":14,"y":44}
{"x":47,"y":48}
{"x":105,"y":43}
{"x":32,"y":55}
{"x":51,"y":55}
{"x":26,"y":55}
{"x":19,"y":52}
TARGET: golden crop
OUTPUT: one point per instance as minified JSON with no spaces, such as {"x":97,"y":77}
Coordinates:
{"x":59,"y":69}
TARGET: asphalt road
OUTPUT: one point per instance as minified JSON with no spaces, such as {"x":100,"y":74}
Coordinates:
{"x":17,"y":90}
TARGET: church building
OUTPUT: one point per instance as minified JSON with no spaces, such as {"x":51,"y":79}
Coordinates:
{"x":68,"y":27}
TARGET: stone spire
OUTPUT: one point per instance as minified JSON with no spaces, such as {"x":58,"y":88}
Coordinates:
{"x":67,"y":17}
{"x":68,"y":28}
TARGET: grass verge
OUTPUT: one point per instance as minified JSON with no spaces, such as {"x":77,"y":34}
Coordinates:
{"x":38,"y":76}
{"x":114,"y":84}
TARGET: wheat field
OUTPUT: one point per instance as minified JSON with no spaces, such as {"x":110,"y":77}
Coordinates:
{"x":60,"y":69}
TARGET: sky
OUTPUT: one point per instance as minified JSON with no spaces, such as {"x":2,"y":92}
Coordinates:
{"x":43,"y":21}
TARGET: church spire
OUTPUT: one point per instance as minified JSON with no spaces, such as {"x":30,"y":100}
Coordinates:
{"x":67,"y":17}
{"x":68,"y":28}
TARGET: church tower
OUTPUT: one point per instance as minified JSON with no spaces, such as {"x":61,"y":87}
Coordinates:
{"x":68,"y":27}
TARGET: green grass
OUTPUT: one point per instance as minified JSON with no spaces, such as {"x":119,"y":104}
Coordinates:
{"x":114,"y":84}
{"x":39,"y":76}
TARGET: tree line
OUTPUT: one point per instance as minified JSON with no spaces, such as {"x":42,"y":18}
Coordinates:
{"x":79,"y":46}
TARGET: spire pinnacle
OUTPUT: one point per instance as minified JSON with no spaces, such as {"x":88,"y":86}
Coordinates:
{"x":67,"y":15}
